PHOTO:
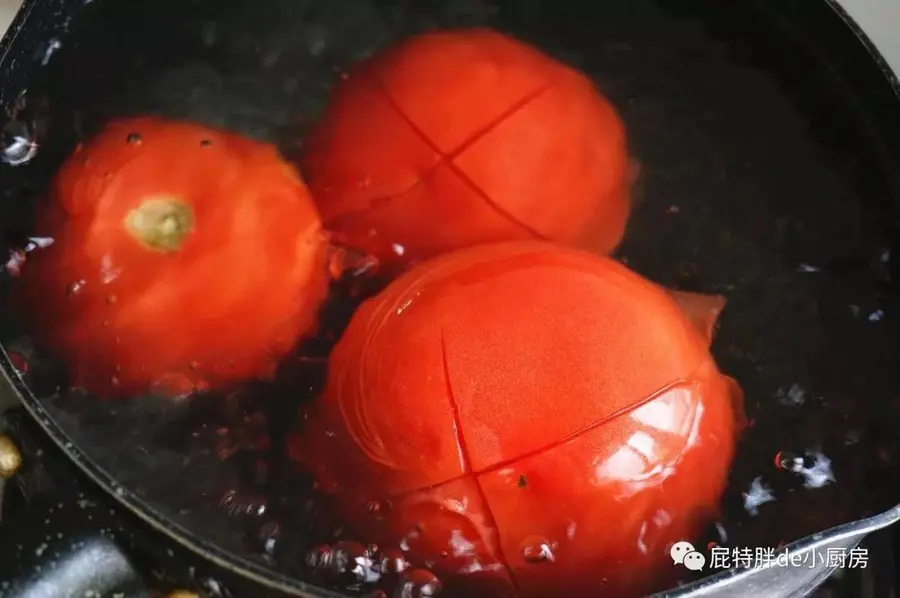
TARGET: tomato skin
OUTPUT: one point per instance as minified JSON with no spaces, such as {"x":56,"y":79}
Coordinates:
{"x":528,"y":412}
{"x":234,"y":296}
{"x":452,"y":139}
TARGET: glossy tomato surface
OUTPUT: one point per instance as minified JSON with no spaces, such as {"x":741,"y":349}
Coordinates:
{"x":529,"y":417}
{"x":182,"y":257}
{"x":450,"y":139}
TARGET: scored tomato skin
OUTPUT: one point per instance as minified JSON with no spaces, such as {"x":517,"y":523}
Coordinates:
{"x":526,"y":412}
{"x":456,"y":138}
{"x":242,"y":285}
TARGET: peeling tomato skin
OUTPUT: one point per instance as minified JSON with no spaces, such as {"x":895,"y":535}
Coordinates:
{"x":457,"y":138}
{"x":239,"y":285}
{"x":527,"y":413}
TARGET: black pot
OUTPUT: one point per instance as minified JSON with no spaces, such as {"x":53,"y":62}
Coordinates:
{"x":773,"y":126}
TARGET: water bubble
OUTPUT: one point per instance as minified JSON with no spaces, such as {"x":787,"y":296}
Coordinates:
{"x":19,"y":254}
{"x":818,"y":473}
{"x":111,"y":299}
{"x":787,"y":461}
{"x":417,"y":583}
{"x":214,"y":589}
{"x":134,"y":138}
{"x":346,"y":564}
{"x":795,"y":395}
{"x":52,"y":46}
{"x":237,"y":505}
{"x":319,"y":557}
{"x":815,"y":467}
{"x":75,"y":288}
{"x":18,"y":144}
{"x":536,"y":549}
{"x":758,"y":494}
{"x":391,"y":562}
{"x":266,"y":538}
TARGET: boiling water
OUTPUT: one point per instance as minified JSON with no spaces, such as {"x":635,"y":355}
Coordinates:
{"x":739,"y":194}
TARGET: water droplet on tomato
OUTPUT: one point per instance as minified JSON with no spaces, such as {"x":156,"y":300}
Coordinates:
{"x":373,"y":506}
{"x":417,"y":583}
{"x":536,"y":549}
{"x":75,"y":288}
{"x":111,"y":299}
{"x":346,"y":262}
{"x":19,"y":362}
{"x":206,"y":143}
{"x":114,"y":381}
{"x":134,"y":138}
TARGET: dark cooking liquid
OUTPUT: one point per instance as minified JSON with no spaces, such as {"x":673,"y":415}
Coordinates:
{"x":737,"y":195}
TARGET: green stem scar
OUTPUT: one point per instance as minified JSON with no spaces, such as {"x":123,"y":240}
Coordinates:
{"x":161,"y":223}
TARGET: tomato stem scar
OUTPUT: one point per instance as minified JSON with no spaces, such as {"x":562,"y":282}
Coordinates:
{"x":161,"y":223}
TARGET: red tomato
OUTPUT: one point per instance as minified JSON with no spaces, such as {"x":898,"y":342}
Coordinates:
{"x":530,"y":413}
{"x":458,"y":138}
{"x":184,"y":257}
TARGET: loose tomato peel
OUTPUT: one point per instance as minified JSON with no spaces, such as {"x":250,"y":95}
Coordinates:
{"x":526,"y":403}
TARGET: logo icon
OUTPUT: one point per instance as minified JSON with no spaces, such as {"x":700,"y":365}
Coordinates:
{"x":684,"y":553}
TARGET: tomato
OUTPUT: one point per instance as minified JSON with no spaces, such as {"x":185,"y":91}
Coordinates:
{"x":530,"y":413}
{"x":183,"y":258}
{"x":451,"y":139}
